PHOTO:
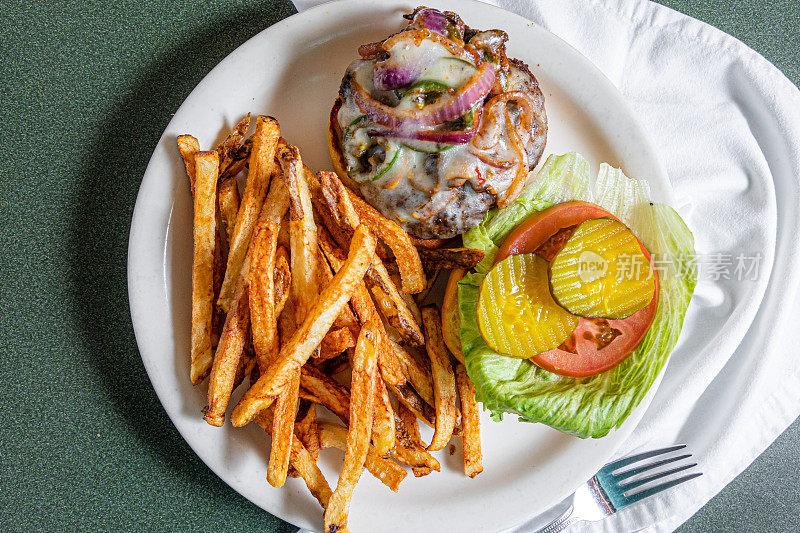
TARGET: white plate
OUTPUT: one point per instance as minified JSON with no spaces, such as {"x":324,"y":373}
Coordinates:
{"x":292,"y":71}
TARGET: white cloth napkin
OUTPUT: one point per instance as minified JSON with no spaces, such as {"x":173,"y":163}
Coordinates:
{"x":727,"y":125}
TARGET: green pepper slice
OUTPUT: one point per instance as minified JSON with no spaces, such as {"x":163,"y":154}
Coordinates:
{"x":385,"y":169}
{"x":348,"y":131}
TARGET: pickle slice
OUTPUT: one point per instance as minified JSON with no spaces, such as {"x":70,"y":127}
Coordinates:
{"x":517,"y":315}
{"x":602,"y":272}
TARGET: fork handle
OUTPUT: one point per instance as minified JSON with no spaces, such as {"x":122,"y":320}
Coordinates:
{"x":561,"y":523}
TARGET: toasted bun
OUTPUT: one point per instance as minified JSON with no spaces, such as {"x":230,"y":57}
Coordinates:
{"x":335,"y":147}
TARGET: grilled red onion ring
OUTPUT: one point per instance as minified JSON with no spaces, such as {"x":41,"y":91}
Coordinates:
{"x":436,"y":136}
{"x":475,"y":90}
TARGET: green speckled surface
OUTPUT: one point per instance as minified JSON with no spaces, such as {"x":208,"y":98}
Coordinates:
{"x":85,"y":92}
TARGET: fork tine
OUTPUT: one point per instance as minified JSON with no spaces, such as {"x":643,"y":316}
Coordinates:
{"x":653,"y":477}
{"x":640,"y":469}
{"x":646,"y":455}
{"x":655,"y":490}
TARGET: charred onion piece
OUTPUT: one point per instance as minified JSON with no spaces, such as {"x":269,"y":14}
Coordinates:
{"x":489,"y":160}
{"x":370,"y":50}
{"x":448,"y":23}
{"x":515,"y":188}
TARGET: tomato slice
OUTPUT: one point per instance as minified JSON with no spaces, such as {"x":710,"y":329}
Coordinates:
{"x":535,"y":232}
{"x":597,"y":344}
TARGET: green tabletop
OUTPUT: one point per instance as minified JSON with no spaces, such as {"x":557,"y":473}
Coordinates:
{"x":86,"y":89}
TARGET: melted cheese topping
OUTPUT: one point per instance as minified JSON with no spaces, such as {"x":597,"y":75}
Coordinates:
{"x":432,"y":190}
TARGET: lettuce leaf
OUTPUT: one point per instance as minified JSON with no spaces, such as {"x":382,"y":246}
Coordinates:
{"x":585,"y":407}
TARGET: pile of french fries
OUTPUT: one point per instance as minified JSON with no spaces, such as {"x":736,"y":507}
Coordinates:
{"x":303,"y":290}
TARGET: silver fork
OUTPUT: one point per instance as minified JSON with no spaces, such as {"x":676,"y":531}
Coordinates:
{"x":608,"y":491}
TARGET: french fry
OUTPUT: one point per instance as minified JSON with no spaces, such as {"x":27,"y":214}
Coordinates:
{"x":229,"y":205}
{"x":335,"y":342}
{"x":276,"y":208}
{"x":306,"y":428}
{"x":451,"y":321}
{"x":408,"y":261}
{"x":409,"y":448}
{"x":393,"y":306}
{"x":302,"y":232}
{"x":188,"y":147}
{"x":362,"y":398}
{"x":285,"y":410}
{"x":258,"y":178}
{"x":187,"y":144}
{"x":247,"y":362}
{"x":383,"y":419}
{"x":328,"y":212}
{"x":450,"y":258}
{"x":220,"y":258}
{"x":228,"y":150}
{"x":409,"y":299}
{"x":228,"y":356}
{"x":386,"y":471}
{"x":470,"y":423}
{"x":303,"y":257}
{"x":283,"y":236}
{"x":239,"y":163}
{"x":388,"y":298}
{"x":282,"y":432}
{"x":387,"y":359}
{"x":328,"y":215}
{"x":287,"y":321}
{"x":416,"y":373}
{"x":398,"y":241}
{"x":272,"y":276}
{"x":346,"y":319}
{"x":306,"y":339}
{"x":319,"y":388}
{"x":409,"y":397}
{"x":444,"y":385}
{"x":261,"y":275}
{"x":302,"y":461}
{"x":283,"y":279}
{"x":365,"y":309}
{"x":206,"y":167}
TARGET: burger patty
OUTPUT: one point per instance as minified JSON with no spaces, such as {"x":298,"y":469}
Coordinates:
{"x":439,"y":189}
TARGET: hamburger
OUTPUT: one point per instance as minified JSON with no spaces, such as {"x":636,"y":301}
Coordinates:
{"x":435,"y":125}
